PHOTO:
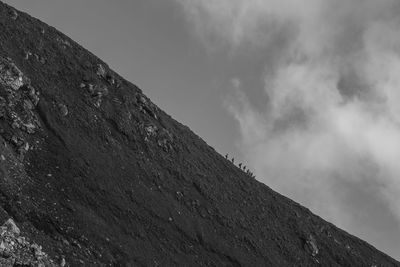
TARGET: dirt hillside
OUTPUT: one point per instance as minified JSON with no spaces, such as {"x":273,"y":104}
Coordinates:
{"x":97,"y":175}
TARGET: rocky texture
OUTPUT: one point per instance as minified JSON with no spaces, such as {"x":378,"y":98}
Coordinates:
{"x":98,"y":175}
{"x":15,"y":250}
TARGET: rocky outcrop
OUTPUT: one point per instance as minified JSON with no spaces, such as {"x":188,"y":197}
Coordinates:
{"x":15,"y":250}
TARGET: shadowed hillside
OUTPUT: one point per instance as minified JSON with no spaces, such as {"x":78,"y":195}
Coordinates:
{"x":97,"y":174}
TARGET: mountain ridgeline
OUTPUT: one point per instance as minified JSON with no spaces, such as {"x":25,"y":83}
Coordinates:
{"x":92,"y":173}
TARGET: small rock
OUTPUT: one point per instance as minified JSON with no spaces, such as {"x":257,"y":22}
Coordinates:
{"x":10,"y":75}
{"x":65,"y":242}
{"x":151,"y":130}
{"x":29,"y":128}
{"x":27,"y":55}
{"x":142,"y":100}
{"x":23,"y":149}
{"x":63,"y":109}
{"x":14,"y":14}
{"x":42,"y":60}
{"x":15,"y":139}
{"x":28,"y":105}
{"x":62,"y":263}
{"x":179,"y":195}
{"x":12,"y":227}
{"x":110,"y":79}
{"x":64,"y":43}
{"x":312,"y":244}
{"x":33,"y":95}
{"x":101,"y":71}
{"x":97,"y":102}
{"x":16,"y":125}
{"x":90,"y":88}
{"x":37,"y":250}
{"x":100,"y":90}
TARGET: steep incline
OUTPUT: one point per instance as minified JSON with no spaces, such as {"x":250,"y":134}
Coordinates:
{"x":97,"y":174}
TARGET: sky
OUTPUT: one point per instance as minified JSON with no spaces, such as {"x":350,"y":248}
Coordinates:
{"x":306,"y":94}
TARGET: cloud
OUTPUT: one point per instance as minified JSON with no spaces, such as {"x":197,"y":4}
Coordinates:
{"x":329,"y":134}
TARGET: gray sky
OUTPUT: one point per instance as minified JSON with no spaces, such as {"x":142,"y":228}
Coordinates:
{"x":304,"y":94}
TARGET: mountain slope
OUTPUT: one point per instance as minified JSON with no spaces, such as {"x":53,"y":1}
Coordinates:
{"x":97,"y":174}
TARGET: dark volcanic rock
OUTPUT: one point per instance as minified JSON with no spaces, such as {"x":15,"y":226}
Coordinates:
{"x":98,"y":175}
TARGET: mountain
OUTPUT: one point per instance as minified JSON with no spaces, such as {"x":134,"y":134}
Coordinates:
{"x":95,"y":174}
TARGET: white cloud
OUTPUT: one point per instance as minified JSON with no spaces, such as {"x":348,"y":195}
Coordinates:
{"x":333,"y":115}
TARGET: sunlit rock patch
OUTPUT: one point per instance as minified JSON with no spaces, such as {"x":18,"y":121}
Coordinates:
{"x":16,"y":250}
